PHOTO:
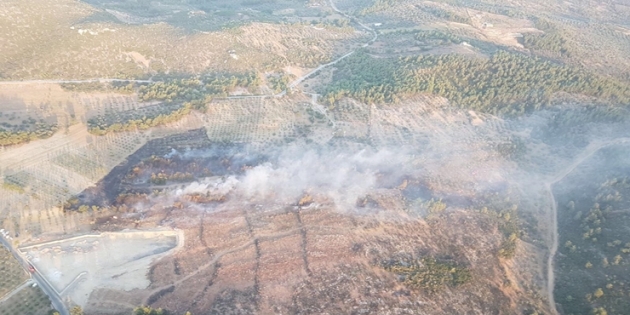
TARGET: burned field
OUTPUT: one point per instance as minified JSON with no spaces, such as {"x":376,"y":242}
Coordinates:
{"x":163,"y":164}
{"x":309,"y":228}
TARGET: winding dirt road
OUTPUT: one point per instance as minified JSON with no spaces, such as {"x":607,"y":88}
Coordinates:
{"x":590,"y":150}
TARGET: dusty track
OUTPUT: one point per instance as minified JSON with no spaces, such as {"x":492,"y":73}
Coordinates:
{"x":587,"y":153}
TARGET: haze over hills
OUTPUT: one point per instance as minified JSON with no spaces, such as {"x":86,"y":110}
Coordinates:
{"x":314,"y":157}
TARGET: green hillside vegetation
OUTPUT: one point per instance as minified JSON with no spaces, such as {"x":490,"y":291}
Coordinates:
{"x":178,"y":96}
{"x":505,"y":84}
{"x":552,"y":41}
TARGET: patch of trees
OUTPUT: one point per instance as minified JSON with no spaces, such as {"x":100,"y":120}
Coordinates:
{"x":447,"y":15}
{"x":507,"y":222}
{"x":279,"y":83}
{"x":197,"y":88}
{"x":437,"y":37}
{"x":147,"y":310}
{"x":39,"y":131}
{"x":505,"y":84}
{"x":430,"y":274}
{"x":552,"y":41}
{"x":77,"y":310}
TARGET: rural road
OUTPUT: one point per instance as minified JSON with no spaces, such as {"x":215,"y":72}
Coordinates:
{"x":299,"y":80}
{"x":587,"y":153}
{"x":38,"y":278}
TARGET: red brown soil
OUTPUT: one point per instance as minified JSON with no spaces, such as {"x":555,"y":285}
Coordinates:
{"x":249,"y":259}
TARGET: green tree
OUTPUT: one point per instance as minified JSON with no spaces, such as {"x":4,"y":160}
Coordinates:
{"x":77,"y":310}
{"x":598,"y":293}
{"x":147,"y":310}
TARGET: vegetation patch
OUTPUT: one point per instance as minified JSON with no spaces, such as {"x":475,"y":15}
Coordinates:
{"x":144,"y":118}
{"x":594,"y":248}
{"x":177,"y":96}
{"x":506,"y":84}
{"x":552,"y":42}
{"x":195,"y":89}
{"x":437,"y":38}
{"x":28,"y":301}
{"x":430,"y":274}
{"x":11,"y":273}
{"x":19,"y":136}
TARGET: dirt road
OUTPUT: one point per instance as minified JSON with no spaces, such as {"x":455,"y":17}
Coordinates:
{"x":587,"y":153}
{"x":299,"y":80}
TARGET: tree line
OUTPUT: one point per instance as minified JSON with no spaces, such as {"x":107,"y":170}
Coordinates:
{"x":13,"y":137}
{"x":197,"y":88}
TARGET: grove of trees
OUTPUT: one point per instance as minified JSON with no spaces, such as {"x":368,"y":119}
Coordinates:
{"x":505,"y":84}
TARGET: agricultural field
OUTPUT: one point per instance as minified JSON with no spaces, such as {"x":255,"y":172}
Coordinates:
{"x":105,"y":49}
{"x":12,"y":274}
{"x":20,"y":122}
{"x":28,"y":301}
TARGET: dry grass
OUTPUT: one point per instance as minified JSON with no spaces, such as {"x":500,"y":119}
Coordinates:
{"x":48,"y":40}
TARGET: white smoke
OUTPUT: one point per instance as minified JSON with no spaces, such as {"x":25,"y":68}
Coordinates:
{"x":341,"y":176}
{"x":212,"y":185}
